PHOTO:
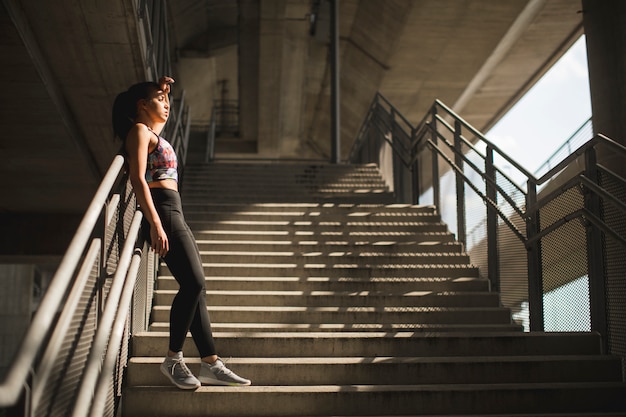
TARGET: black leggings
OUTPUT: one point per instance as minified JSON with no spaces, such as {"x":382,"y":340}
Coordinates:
{"x":189,"y":310}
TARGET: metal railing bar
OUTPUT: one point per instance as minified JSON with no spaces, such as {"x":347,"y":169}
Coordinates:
{"x":98,"y":347}
{"x":590,"y":217}
{"x":597,"y":139}
{"x":420,"y":143}
{"x":425,"y":120}
{"x":602,"y":193}
{"x":502,"y":173}
{"x":472,"y":147}
{"x":391,"y":106}
{"x":63,"y":323}
{"x":484,"y":139}
{"x":580,"y":213}
{"x":117,"y":333}
{"x":33,"y":339}
{"x":397,"y":144}
{"x":580,"y":179}
{"x":566,"y":144}
{"x":615,"y":176}
{"x":464,"y":139}
{"x":578,"y":152}
{"x":480,"y":193}
{"x":583,"y":214}
{"x":483,"y":175}
{"x":571,"y":183}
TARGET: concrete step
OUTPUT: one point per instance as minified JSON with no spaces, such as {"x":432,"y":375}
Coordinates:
{"x":370,"y":344}
{"x":331,"y":400}
{"x":226,"y":243}
{"x":351,"y":327}
{"x":208,"y":215}
{"x":404,"y":370}
{"x":303,"y":226}
{"x":348,"y":315}
{"x":296,"y":182}
{"x":286,"y":189}
{"x":298,"y":173}
{"x":334,"y":270}
{"x":308,"y":283}
{"x":279,"y":181}
{"x":310,"y":167}
{"x":313,"y":236}
{"x":340,"y":298}
{"x":313,"y":209}
{"x":262,"y":196}
{"x":335,"y":258}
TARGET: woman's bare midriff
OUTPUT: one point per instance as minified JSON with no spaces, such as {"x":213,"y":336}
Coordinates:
{"x":167,"y":184}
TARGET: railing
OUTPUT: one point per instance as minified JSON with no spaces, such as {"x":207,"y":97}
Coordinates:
{"x":154,"y":38}
{"x":226,"y":116}
{"x":535,"y":243}
{"x":73,"y":355}
{"x":579,"y":137}
{"x":74,"y":351}
{"x":224,"y":122}
{"x":210,"y":139}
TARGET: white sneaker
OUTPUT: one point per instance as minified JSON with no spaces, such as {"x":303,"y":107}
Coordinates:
{"x":176,"y":370}
{"x":219,"y":374}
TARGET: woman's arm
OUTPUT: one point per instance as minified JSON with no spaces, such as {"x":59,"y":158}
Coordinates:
{"x":165,"y":83}
{"x":137,"y":143}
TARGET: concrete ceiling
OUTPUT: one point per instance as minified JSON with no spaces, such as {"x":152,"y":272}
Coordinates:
{"x":64,"y":61}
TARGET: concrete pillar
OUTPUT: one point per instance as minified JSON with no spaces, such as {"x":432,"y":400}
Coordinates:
{"x":294,"y":58}
{"x":272,"y":27}
{"x":605,"y":31}
{"x":248,"y":69}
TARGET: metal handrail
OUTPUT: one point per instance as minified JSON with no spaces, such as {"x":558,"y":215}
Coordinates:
{"x":102,"y":342}
{"x":116,"y":336}
{"x":482,"y":138}
{"x":41,"y":347}
{"x":384,"y":125}
{"x":34,"y":338}
{"x":581,"y":134}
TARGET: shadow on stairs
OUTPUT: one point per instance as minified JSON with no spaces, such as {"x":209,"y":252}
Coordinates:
{"x":337,"y":302}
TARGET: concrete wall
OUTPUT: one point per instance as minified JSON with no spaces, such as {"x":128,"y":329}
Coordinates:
{"x":17,"y":283}
{"x":201,"y":78}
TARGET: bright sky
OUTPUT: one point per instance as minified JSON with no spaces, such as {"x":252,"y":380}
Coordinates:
{"x":549,"y":113}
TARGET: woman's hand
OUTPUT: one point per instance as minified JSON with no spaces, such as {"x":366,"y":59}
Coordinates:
{"x":165,"y":82}
{"x":160,"y":244}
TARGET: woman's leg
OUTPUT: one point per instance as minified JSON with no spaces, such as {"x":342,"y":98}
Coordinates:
{"x":188,"y":311}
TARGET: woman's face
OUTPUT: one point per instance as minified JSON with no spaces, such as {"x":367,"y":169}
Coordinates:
{"x":156,"y":106}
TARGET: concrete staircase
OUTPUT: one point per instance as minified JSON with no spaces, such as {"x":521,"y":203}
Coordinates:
{"x":336,"y":302}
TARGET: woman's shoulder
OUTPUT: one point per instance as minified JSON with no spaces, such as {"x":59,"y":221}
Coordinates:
{"x":139,"y":129}
{"x":141,"y":136}
{"x":141,"y":133}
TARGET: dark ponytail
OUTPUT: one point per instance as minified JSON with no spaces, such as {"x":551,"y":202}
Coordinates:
{"x":125,"y":107}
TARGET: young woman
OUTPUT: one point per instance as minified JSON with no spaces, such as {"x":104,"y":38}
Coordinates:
{"x":139,"y":114}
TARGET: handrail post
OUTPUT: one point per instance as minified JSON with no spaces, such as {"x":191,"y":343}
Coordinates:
{"x":492,"y":222}
{"x":535,"y":270}
{"x":397,"y":168}
{"x":460,"y":186}
{"x":435,"y":160}
{"x":595,"y":252}
{"x":415,"y":178}
{"x":335,"y":88}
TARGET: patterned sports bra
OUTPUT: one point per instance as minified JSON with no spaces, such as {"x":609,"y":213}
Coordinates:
{"x":162,"y":163}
